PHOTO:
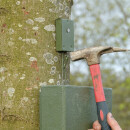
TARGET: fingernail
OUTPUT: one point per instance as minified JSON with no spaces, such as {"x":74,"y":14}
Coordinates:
{"x":110,"y":115}
{"x":96,"y":127}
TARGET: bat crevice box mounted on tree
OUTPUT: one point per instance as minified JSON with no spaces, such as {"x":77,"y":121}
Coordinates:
{"x":64,"y":35}
{"x":66,"y":107}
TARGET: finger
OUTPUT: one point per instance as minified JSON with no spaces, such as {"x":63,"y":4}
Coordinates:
{"x":90,"y":129}
{"x":112,"y":122}
{"x":96,"y":125}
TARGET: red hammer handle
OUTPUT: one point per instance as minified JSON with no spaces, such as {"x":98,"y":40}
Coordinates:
{"x":102,"y":109}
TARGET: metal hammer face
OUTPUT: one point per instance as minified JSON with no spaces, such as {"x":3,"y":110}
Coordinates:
{"x":93,"y":54}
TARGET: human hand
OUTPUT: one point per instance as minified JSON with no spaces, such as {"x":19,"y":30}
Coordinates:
{"x":111,"y":121}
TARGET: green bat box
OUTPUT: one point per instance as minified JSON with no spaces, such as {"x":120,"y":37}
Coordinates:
{"x":69,"y":107}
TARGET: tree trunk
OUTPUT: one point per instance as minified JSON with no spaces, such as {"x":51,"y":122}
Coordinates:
{"x":28,"y":58}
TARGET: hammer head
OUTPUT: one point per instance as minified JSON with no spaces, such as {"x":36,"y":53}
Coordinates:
{"x":92,"y":55}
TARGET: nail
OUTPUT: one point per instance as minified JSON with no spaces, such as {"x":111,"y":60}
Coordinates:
{"x":111,"y":116}
{"x":97,"y":127}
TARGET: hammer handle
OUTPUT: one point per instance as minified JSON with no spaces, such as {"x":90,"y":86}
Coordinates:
{"x":102,"y":108}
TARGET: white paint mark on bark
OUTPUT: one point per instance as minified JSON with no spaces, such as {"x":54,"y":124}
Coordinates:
{"x":51,"y":81}
{"x":61,"y":6}
{"x":49,"y":58}
{"x":35,"y":28}
{"x":9,"y":74}
{"x":40,"y":19}
{"x":20,"y":38}
{"x":50,"y":27}
{"x":30,"y":21}
{"x":9,"y":104}
{"x":10,"y":43}
{"x":31,"y":40}
{"x":54,"y":36}
{"x":11,"y":92}
{"x":59,"y":76}
{"x":11,"y":38}
{"x":11,"y":31}
{"x":52,"y":72}
{"x":42,"y":84}
{"x":23,"y":76}
{"x":33,"y":59}
{"x":53,"y":2}
{"x":3,"y":69}
{"x":2,"y":79}
{"x":36,"y":87}
{"x":24,"y":99}
{"x":64,"y":3}
{"x":28,"y":53}
{"x":50,"y":10}
{"x":20,"y":25}
{"x":55,"y":58}
{"x":58,"y":82}
{"x":66,"y":14}
{"x":15,"y":75}
{"x":18,"y":3}
{"x":67,"y":10}
{"x":53,"y":68}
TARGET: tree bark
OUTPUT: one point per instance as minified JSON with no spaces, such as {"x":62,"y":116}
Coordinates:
{"x":28,"y":58}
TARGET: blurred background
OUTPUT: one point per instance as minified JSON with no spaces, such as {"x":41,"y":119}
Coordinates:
{"x":107,"y":23}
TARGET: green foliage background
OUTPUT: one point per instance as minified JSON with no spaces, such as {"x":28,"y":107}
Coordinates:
{"x":105,"y":23}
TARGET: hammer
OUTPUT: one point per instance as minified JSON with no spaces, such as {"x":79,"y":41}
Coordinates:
{"x":92,"y":55}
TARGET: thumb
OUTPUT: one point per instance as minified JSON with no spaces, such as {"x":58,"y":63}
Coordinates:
{"x":112,"y":122}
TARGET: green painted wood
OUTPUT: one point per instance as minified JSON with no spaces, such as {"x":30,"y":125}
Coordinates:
{"x":69,"y":107}
{"x":64,"y":35}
